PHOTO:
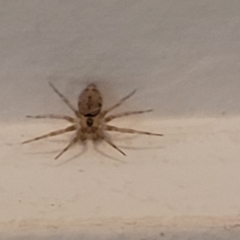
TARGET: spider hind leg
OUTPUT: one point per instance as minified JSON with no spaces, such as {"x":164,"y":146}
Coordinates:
{"x":53,"y":116}
{"x":119,"y":103}
{"x":124,"y":114}
{"x":65,"y":99}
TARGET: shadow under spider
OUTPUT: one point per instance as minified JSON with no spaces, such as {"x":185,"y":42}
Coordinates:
{"x":83,"y":150}
{"x":95,"y":147}
{"x":140,"y":148}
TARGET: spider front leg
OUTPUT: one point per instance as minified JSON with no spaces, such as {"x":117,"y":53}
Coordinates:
{"x":112,"y":144}
{"x":72,"y":142}
{"x":100,"y":135}
{"x":53,"y":116}
{"x":111,"y":117}
{"x":127,"y":130}
{"x":54,"y":133}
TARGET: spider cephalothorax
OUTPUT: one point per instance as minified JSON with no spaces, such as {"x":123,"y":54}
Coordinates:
{"x":90,"y":120}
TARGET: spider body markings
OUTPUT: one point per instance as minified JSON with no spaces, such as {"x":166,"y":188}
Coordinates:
{"x":90,"y":120}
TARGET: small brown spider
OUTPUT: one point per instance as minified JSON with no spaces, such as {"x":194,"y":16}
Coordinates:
{"x":90,"y":121}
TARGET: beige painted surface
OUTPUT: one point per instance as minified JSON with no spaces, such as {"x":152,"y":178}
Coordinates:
{"x":188,"y":178}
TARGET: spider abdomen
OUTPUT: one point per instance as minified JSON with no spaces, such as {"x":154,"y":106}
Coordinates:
{"x":90,"y":101}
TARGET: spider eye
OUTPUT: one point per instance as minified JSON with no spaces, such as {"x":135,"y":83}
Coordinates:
{"x":89,"y":122}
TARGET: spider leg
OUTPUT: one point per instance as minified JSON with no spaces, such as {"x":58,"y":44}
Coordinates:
{"x":58,"y":132}
{"x":111,"y":117}
{"x":112,"y":144}
{"x":67,"y":102}
{"x":118,"y":103}
{"x":53,"y":116}
{"x":72,"y":142}
{"x":127,"y":130}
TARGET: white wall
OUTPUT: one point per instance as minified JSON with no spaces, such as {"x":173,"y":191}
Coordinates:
{"x":183,"y":56}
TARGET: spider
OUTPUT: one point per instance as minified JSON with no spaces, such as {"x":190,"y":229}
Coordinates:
{"x":90,"y":120}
